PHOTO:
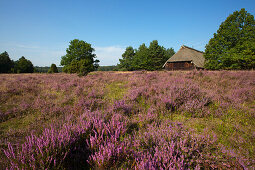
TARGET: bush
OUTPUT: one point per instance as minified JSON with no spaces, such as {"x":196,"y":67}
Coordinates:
{"x":53,"y":69}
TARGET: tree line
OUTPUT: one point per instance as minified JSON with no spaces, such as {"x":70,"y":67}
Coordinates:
{"x":107,"y":68}
{"x":22,"y":65}
{"x":47,"y":69}
{"x":145,"y":58}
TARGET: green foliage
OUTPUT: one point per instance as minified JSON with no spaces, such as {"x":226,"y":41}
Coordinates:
{"x":157,"y":55}
{"x":23,"y":66}
{"x":45,"y":69}
{"x":53,"y":69}
{"x":233,"y":46}
{"x":107,"y":68}
{"x":87,"y":66}
{"x":145,"y":58}
{"x":5,"y":63}
{"x":142,"y":60}
{"x":168,"y":53}
{"x":82,"y":67}
{"x":126,"y":63}
{"x":79,"y":58}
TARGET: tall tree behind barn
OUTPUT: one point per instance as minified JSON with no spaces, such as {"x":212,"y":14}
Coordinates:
{"x":185,"y":59}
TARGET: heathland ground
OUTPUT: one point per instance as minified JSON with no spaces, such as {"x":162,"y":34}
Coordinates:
{"x":143,"y":120}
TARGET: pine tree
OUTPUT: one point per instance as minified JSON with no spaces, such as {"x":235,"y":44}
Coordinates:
{"x":6,"y":64}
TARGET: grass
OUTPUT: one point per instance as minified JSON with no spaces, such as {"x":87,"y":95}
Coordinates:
{"x":17,"y":123}
{"x":234,"y":130}
{"x":115,"y":91}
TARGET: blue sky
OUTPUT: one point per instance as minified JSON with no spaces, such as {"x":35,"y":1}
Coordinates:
{"x":41,"y":30}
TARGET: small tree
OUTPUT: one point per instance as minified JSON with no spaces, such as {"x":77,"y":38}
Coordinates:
{"x":233,"y":46}
{"x":23,"y":66}
{"x":53,"y":69}
{"x":6,"y":64}
{"x":79,"y":58}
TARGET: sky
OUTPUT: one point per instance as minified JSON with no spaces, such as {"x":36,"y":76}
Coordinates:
{"x":41,"y":30}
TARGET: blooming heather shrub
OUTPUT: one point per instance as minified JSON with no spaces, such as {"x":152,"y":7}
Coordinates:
{"x":107,"y":144}
{"x":56,"y":147}
{"x":169,"y":146}
{"x":243,"y":94}
{"x":46,"y":151}
{"x":122,"y":106}
{"x":77,"y":123}
{"x":135,"y":93}
{"x":175,"y":95}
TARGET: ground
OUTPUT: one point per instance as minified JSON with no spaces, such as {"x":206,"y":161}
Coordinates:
{"x":195,"y":119}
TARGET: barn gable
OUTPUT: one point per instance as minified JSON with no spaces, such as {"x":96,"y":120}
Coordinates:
{"x":185,"y":59}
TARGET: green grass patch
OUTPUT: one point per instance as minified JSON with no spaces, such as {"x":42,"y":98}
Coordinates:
{"x":115,"y":91}
{"x":17,"y":123}
{"x":142,"y":103}
{"x":234,"y":129}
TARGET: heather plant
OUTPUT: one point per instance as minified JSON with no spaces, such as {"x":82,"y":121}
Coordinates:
{"x":134,"y":120}
{"x":122,"y":106}
{"x":169,"y":146}
{"x":40,"y":152}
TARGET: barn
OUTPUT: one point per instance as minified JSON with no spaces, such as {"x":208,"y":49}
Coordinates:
{"x":185,"y":59}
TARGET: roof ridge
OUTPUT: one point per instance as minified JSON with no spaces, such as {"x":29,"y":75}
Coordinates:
{"x":192,"y":48}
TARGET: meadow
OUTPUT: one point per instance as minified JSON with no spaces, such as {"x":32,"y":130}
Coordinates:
{"x":128,"y":120}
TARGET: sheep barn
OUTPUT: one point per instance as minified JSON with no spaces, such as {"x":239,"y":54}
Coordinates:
{"x":185,"y":59}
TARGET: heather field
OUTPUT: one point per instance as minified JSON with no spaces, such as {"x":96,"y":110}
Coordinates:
{"x":128,"y":120}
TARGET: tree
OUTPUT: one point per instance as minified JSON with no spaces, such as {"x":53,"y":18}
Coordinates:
{"x":53,"y":69}
{"x":107,"y":68}
{"x":141,"y":59}
{"x":79,"y":58}
{"x":233,"y":46}
{"x":168,"y":53}
{"x":6,"y":64}
{"x":144,"y":58}
{"x":157,"y":55}
{"x":23,"y":66}
{"x":127,"y":59}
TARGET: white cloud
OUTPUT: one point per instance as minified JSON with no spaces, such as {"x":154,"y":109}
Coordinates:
{"x":109,"y":55}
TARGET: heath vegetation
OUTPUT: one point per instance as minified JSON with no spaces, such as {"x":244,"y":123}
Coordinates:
{"x":140,"y":120}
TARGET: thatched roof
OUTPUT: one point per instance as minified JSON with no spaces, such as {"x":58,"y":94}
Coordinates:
{"x":188,"y":54}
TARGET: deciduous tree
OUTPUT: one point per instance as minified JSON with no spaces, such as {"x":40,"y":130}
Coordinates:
{"x":233,"y":46}
{"x":79,"y":58}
